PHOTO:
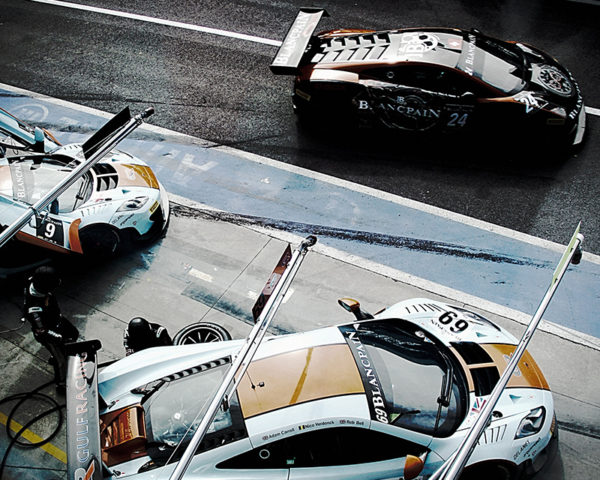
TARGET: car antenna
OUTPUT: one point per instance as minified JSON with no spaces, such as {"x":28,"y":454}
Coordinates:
{"x":277,"y":285}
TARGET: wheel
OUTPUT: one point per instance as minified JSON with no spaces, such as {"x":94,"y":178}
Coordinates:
{"x":489,"y":471}
{"x":201,"y":332}
{"x":99,"y":241}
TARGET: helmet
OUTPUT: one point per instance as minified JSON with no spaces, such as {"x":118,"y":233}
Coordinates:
{"x":45,"y":279}
{"x":140,"y":334}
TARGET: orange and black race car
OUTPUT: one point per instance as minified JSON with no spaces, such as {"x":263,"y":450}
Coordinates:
{"x":421,"y":79}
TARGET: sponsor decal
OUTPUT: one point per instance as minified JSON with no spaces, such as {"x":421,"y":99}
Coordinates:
{"x":272,"y":282}
{"x":153,"y":207}
{"x":121,"y":220}
{"x":409,"y":112}
{"x":470,"y":55}
{"x":528,"y":449}
{"x":554,"y":80}
{"x":372,"y":384}
{"x":415,"y":44}
{"x":300,"y":30}
{"x":19,"y":190}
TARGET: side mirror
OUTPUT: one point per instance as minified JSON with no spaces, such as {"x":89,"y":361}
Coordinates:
{"x":353,"y":306}
{"x":412,"y":467}
{"x":40,"y":140}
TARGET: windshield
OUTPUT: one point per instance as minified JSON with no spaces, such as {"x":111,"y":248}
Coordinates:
{"x":34,"y":177}
{"x":412,"y":375}
{"x":175,"y":407}
{"x":494,"y":63}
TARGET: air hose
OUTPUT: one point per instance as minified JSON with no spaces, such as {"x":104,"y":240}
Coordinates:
{"x":22,"y":398}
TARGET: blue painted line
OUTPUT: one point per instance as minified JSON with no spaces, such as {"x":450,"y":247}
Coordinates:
{"x":503,"y":270}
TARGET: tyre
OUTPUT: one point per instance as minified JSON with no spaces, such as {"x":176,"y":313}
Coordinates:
{"x":489,"y":471}
{"x":201,"y":332}
{"x":99,"y":241}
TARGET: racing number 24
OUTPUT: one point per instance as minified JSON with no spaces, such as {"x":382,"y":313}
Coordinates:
{"x":456,"y":119}
{"x":456,"y":326}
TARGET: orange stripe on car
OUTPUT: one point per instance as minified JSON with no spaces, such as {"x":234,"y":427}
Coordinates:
{"x":38,"y":242}
{"x":296,"y":377}
{"x":74,"y":241}
{"x":528,"y":373}
{"x":136,"y":175}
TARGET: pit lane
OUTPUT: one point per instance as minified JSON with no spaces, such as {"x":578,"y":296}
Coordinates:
{"x":339,"y":160}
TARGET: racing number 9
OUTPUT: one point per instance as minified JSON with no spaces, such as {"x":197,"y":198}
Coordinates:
{"x":448,"y":318}
{"x":50,"y":230}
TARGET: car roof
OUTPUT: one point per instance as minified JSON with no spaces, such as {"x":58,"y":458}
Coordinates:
{"x":299,"y":376}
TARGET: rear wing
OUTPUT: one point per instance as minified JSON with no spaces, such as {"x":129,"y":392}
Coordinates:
{"x":294,"y":45}
{"x":84,"y":460}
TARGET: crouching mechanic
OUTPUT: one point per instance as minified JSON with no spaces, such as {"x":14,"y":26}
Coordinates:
{"x":50,"y":328}
{"x":141,"y":334}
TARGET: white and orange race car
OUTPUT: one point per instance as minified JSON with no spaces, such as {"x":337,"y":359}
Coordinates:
{"x":118,"y":201}
{"x":386,"y":396}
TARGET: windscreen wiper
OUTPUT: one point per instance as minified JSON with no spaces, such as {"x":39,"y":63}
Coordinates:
{"x":446,"y":394}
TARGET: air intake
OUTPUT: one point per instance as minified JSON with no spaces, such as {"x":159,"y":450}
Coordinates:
{"x":485,"y":380}
{"x":472,"y":353}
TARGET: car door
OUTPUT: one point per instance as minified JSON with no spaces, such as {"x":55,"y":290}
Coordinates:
{"x":349,"y":453}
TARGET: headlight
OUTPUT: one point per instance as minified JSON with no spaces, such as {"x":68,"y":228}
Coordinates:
{"x":133,"y":204}
{"x":532,"y":423}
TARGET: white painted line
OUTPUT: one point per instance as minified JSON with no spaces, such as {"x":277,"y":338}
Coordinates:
{"x":592,"y":111}
{"x":201,"y":275}
{"x":161,"y":21}
{"x":405,"y":202}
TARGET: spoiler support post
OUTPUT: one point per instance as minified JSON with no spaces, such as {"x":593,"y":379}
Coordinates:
{"x":244,"y":357}
{"x":454,"y":465}
{"x":94,"y":149}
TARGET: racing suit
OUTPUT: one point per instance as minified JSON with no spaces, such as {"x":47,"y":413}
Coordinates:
{"x":50,"y":328}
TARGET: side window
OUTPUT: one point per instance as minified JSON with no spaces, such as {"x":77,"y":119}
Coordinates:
{"x":327,"y":447}
{"x":432,"y":78}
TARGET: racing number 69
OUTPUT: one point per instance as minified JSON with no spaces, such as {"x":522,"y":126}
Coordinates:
{"x":448,"y":318}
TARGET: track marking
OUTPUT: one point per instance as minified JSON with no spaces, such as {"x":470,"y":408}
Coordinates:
{"x":398,"y":200}
{"x":195,"y":28}
{"x":161,"y":21}
{"x":34,"y":438}
{"x":201,"y":275}
{"x":592,"y":111}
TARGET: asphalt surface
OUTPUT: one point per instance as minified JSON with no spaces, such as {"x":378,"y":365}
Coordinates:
{"x":220,"y":89}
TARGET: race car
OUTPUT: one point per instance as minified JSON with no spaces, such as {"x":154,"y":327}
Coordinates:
{"x":428,"y":79}
{"x":117,"y":202}
{"x":16,"y":136}
{"x":385,"y":396}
